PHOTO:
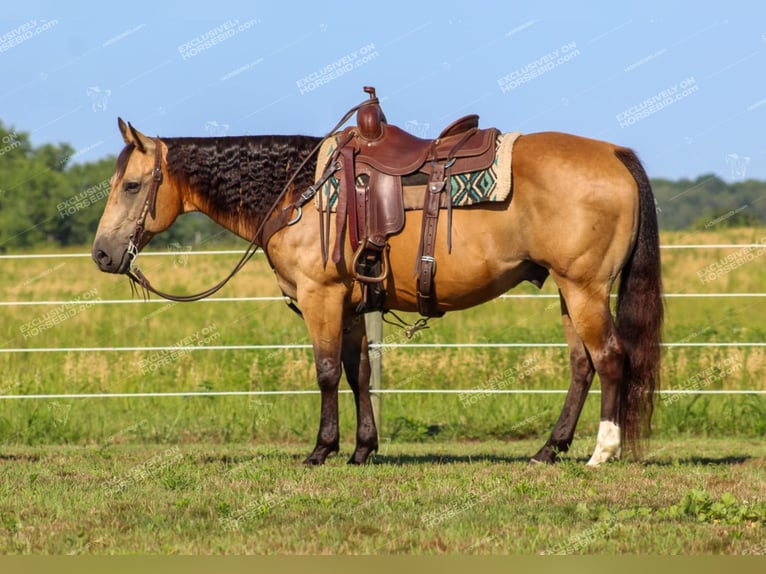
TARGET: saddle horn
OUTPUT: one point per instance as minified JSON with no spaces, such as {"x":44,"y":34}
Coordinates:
{"x":370,"y":118}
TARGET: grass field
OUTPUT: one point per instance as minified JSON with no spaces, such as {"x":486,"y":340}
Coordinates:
{"x":469,"y":498}
{"x":222,"y":474}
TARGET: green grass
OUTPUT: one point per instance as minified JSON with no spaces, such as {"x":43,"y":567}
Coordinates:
{"x":457,"y":498}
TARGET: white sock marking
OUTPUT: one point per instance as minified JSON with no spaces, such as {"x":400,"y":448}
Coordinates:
{"x":607,"y":443}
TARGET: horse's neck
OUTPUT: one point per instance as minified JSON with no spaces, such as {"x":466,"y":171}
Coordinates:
{"x":236,"y":180}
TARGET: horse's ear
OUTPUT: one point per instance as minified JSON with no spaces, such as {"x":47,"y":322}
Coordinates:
{"x":132,"y":136}
{"x":140,"y":139}
{"x":124,"y":130}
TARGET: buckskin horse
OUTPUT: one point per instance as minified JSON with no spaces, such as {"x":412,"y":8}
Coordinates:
{"x":580,"y":210}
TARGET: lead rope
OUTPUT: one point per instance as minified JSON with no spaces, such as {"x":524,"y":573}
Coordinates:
{"x":139,"y":280}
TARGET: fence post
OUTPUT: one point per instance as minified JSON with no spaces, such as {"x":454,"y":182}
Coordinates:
{"x":374,"y":326}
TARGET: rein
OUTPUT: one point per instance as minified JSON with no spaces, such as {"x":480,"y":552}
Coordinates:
{"x":268,"y":227}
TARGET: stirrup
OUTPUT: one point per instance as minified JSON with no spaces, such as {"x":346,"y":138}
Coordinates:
{"x":383,"y":262}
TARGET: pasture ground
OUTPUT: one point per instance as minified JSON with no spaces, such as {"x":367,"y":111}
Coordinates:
{"x":447,"y":498}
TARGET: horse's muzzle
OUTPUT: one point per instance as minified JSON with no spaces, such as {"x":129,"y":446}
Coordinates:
{"x":110,"y":260}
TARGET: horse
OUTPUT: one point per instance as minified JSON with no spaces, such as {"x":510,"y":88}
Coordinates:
{"x":581,"y":211}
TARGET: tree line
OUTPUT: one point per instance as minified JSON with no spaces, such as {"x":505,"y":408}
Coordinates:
{"x":46,"y":199}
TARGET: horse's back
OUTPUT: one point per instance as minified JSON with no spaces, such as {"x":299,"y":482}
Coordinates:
{"x":559,"y":161}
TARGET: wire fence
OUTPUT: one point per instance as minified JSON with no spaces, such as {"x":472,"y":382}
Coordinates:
{"x":239,"y":251}
{"x":184,"y":394}
{"x":276,"y":298}
{"x":380,"y":346}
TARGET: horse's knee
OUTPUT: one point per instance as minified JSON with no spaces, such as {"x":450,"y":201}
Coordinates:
{"x":328,"y":372}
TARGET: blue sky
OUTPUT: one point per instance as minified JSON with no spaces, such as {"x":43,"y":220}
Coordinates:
{"x":681,"y":82}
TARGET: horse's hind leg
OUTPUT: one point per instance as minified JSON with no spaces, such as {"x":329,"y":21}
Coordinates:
{"x":582,"y":377}
{"x":592,"y":321}
{"x":356,"y":363}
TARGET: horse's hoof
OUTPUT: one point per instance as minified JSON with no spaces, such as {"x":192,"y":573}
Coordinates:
{"x":361,"y":455}
{"x":545,"y":455}
{"x":319,"y":455}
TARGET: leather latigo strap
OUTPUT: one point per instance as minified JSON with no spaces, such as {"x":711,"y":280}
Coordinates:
{"x":357,"y":224}
{"x":438,"y":182}
{"x":426,"y":264}
{"x":347,"y":184}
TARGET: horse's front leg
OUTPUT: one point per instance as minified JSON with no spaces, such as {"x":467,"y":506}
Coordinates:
{"x":356,"y":363}
{"x":324,"y":318}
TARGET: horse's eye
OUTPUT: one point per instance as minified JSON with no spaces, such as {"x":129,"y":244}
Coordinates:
{"x":132,"y":186}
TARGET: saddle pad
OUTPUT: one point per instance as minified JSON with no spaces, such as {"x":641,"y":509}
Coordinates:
{"x":492,"y":184}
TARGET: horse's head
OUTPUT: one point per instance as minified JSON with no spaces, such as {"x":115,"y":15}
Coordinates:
{"x":141,"y":202}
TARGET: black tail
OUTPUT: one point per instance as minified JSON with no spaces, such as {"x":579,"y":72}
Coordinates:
{"x":640,"y":313}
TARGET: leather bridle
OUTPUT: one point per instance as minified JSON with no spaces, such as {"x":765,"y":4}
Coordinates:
{"x":150,"y":205}
{"x":267,"y":228}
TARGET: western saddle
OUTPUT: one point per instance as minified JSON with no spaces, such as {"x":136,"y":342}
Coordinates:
{"x":370,"y":161}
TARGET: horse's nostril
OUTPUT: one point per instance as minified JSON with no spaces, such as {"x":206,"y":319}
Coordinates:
{"x":102,"y":258}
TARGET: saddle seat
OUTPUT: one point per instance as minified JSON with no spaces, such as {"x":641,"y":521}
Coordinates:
{"x":389,"y":149}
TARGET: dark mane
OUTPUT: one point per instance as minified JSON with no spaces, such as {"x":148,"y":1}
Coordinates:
{"x":242,"y":175}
